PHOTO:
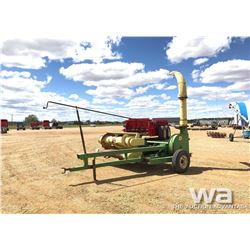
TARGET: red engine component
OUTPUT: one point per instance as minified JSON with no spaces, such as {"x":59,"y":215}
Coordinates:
{"x":145,"y":125}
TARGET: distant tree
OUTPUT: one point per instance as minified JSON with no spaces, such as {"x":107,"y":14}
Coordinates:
{"x":53,"y":120}
{"x":30,"y":118}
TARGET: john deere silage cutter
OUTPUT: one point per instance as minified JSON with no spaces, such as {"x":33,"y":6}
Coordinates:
{"x":138,"y":147}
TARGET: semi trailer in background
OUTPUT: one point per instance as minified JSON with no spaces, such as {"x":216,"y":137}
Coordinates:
{"x":4,"y":126}
{"x":46,"y":124}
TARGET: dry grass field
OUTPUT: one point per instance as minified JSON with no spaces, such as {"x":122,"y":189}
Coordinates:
{"x":32,"y":181}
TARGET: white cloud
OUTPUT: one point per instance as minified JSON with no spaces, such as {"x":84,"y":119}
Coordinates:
{"x":238,"y":86}
{"x":142,"y":90}
{"x":33,"y":53}
{"x":171,"y":87}
{"x":22,"y":95}
{"x":216,"y":93}
{"x":175,"y":104}
{"x":195,"y":102}
{"x":158,"y":86}
{"x":113,"y":74}
{"x":234,"y":72}
{"x":106,"y":101}
{"x":163,"y":86}
{"x":7,"y":74}
{"x":200,"y":61}
{"x":49,"y":78}
{"x":92,"y":72}
{"x":165,"y":97}
{"x":143,"y":102}
{"x":74,"y":96}
{"x":196,"y":75}
{"x":181,"y":48}
{"x":141,"y":78}
{"x":228,"y":71}
{"x":115,"y":79}
{"x":113,"y":92}
{"x":18,"y":83}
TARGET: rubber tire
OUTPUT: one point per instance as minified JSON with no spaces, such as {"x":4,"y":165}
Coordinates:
{"x":176,"y":161}
{"x":164,"y":133}
{"x":231,"y":137}
{"x":168,"y":132}
{"x":161,"y":132}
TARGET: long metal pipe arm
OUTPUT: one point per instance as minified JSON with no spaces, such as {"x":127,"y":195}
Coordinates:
{"x":86,"y":109}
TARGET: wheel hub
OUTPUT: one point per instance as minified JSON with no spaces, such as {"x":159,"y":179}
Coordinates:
{"x":183,"y":162}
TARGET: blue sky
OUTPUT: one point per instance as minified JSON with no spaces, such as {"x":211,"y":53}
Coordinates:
{"x":124,"y":75}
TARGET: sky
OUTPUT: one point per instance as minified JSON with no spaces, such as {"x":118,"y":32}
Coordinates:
{"x":124,"y":75}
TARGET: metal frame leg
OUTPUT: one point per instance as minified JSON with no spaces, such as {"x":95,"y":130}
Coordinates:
{"x":234,"y":131}
{"x":94,"y":169}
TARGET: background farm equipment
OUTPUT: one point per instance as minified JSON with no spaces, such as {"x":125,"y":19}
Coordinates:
{"x":212,"y":125}
{"x":56,"y":125}
{"x":4,"y":126}
{"x":216,"y":134}
{"x":20,"y":126}
{"x":143,"y":140}
{"x":242,"y":116}
{"x":46,"y":124}
{"x":35,"y":125}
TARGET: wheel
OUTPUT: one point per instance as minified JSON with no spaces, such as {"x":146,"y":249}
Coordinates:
{"x":231,"y":137}
{"x":180,"y":161}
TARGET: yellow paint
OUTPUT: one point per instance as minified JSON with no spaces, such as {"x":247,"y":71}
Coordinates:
{"x":122,"y":141}
{"x":182,"y":89}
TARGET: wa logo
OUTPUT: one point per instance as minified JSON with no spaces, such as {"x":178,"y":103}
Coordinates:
{"x":220,"y":195}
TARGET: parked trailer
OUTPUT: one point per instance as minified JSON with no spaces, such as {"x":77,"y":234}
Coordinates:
{"x":133,"y":147}
{"x":46,"y":124}
{"x":4,"y":126}
{"x":35,"y":125}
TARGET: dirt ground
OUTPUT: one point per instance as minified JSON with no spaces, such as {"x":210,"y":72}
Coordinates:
{"x":32,"y":181}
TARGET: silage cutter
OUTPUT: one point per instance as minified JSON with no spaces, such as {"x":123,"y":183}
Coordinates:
{"x":135,"y":147}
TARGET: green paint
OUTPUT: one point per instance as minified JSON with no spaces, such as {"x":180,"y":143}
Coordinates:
{"x":156,"y":152}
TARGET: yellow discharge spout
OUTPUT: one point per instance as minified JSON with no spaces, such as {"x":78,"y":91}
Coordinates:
{"x":182,"y":96}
